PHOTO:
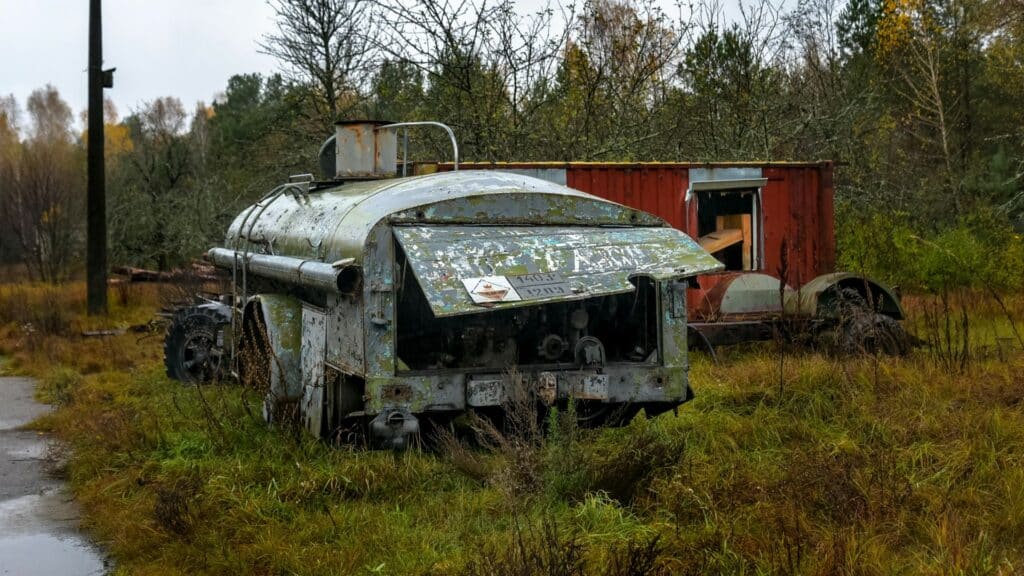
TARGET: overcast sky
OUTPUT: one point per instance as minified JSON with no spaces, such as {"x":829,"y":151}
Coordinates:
{"x":183,"y":48}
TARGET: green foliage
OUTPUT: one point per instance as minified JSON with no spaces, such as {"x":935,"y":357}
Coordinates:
{"x":857,"y":26}
{"x":981,"y":252}
{"x":60,"y":385}
{"x":565,"y":474}
{"x":175,"y":189}
{"x":396,"y":92}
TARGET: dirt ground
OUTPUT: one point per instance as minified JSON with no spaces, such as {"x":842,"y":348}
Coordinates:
{"x":38,"y":520}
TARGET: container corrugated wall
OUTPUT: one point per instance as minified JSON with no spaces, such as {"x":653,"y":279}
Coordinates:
{"x":797,"y":204}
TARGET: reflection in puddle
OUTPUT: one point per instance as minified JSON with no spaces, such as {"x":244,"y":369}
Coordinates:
{"x":48,"y":554}
{"x":38,"y":520}
{"x":38,"y":535}
{"x":35,"y":451}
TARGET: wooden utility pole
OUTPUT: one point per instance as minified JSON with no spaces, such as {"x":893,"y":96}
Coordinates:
{"x":96,"y":212}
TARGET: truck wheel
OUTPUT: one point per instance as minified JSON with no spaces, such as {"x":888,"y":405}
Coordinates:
{"x":193,"y":345}
{"x":873,"y":333}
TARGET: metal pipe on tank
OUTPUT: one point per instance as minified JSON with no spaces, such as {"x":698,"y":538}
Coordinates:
{"x":445,"y":127}
{"x":359,"y":149}
{"x":309,"y":273}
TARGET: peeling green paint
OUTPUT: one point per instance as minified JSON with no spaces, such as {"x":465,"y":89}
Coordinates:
{"x":284,"y":315}
{"x":593,"y":261}
{"x":334,"y":223}
{"x":457,"y":225}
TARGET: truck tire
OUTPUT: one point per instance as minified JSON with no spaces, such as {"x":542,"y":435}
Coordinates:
{"x":858,"y":329}
{"x":873,"y":333}
{"x":193,"y":345}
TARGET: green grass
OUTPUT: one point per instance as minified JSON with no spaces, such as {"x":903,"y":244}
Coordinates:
{"x":868,"y":466}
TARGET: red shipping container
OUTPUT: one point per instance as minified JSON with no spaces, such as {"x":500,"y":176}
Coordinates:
{"x":794,"y":203}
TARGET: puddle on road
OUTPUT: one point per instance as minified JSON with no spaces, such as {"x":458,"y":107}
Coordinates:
{"x":48,"y":554}
{"x":38,"y":537}
{"x":35,"y":451}
{"x":11,"y":424}
{"x":38,"y":520}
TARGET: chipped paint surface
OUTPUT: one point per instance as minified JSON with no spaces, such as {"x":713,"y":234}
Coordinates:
{"x":334,"y":223}
{"x":548,"y":242}
{"x":673,"y":331}
{"x":592,"y":261}
{"x":314,"y":341}
{"x":282,"y":315}
{"x":344,"y":346}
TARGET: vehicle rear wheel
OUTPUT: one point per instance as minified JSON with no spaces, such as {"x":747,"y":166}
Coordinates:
{"x":859,"y":329}
{"x":194,"y":344}
{"x":873,"y":333}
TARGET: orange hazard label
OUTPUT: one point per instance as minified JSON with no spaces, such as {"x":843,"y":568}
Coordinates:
{"x":490,"y":289}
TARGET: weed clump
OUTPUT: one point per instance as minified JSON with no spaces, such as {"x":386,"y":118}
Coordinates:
{"x":40,"y":309}
{"x":60,"y":385}
{"x":624,"y":465}
{"x":175,"y":509}
{"x":547,"y":549}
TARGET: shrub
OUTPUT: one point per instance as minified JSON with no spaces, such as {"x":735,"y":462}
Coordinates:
{"x":980,"y":251}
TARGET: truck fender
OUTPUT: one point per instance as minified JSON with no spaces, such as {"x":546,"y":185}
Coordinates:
{"x":817,"y":296}
{"x":270,"y":351}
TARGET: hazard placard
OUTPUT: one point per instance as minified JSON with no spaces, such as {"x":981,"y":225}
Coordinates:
{"x":490,"y":289}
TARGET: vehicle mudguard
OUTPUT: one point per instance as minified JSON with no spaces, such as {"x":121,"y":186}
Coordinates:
{"x":280,"y":319}
{"x":815,"y":298}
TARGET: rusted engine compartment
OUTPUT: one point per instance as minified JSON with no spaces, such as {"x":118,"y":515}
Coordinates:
{"x":579,"y":333}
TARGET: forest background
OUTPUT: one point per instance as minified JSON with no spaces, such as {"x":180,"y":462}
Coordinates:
{"x":921,"y":103}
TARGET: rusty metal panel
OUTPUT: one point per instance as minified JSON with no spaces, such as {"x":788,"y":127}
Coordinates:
{"x":450,"y":262}
{"x":332,"y":224}
{"x":585,"y":385}
{"x":655,"y":188}
{"x":345,"y":334}
{"x":364,"y":151}
{"x":796,"y":222}
{"x":486,"y":391}
{"x":314,"y":345}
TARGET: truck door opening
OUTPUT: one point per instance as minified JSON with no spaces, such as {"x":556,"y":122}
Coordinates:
{"x":729,"y":226}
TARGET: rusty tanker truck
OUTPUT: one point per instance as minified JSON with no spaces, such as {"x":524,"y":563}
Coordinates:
{"x":372,"y":301}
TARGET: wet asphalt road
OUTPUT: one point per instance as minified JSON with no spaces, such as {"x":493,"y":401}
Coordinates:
{"x":38,"y":520}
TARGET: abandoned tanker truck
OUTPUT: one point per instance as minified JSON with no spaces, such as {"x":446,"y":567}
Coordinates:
{"x":374,"y":300}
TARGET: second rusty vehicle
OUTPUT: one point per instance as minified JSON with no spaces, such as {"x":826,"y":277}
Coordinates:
{"x":771,"y":224}
{"x":372,"y":301}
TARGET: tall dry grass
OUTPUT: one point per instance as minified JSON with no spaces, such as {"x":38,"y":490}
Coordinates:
{"x":867,"y":465}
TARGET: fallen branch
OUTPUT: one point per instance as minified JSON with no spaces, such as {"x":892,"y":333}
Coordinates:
{"x":99,"y":333}
{"x":198,"y":271}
